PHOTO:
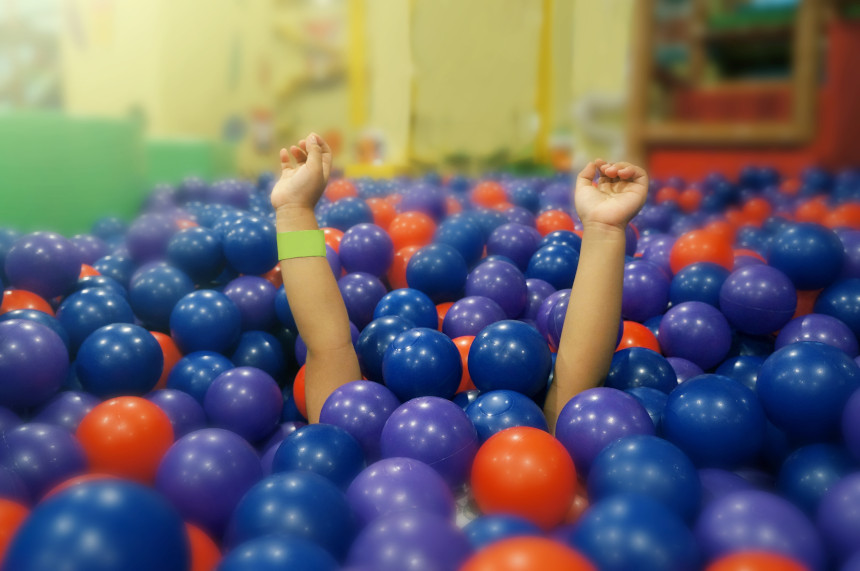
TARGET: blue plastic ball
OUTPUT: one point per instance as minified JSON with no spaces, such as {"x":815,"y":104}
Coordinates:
{"x":743,"y":368}
{"x":515,"y":241}
{"x":640,"y":367}
{"x":410,"y":304}
{"x":758,"y":299}
{"x":439,"y":270}
{"x":808,"y":472}
{"x":698,"y":282}
{"x":842,"y":301}
{"x":198,"y":252}
{"x":153,"y":293}
{"x":205,"y":320}
{"x":809,"y":254}
{"x":250,"y":246}
{"x":277,"y":552}
{"x":422,"y":362}
{"x":194,"y":372}
{"x":260,"y":350}
{"x":324,"y":449}
{"x":510,"y":355}
{"x":653,"y":400}
{"x":348,"y":212}
{"x":374,"y":340}
{"x":555,"y":264}
{"x":44,"y":263}
{"x":463,"y":235}
{"x":85,"y":311}
{"x":486,"y":530}
{"x":494,"y":411}
{"x":366,"y":248}
{"x":119,"y":359}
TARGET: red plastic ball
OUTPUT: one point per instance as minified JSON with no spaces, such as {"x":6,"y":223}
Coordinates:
{"x":332,"y":238}
{"x":756,"y":210}
{"x":812,"y":210}
{"x":383,"y":212}
{"x":299,"y":392}
{"x":528,"y":554}
{"x":488,"y":194}
{"x":171,"y":353}
{"x":12,"y":514}
{"x":205,"y":554}
{"x":274,"y":276}
{"x":690,"y":199}
{"x":701,"y":246}
{"x":411,"y":229}
{"x":126,"y":437}
{"x":442,"y":311}
{"x":524,"y":471}
{"x":666,"y":194}
{"x":88,"y":271}
{"x":463,"y":344}
{"x":553,"y":220}
{"x":635,"y":334}
{"x":755,"y":561}
{"x":844,"y":216}
{"x":397,"y":271}
{"x":22,"y":299}
{"x":338,"y":189}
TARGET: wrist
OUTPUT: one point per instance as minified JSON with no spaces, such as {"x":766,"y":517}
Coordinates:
{"x":293,"y":217}
{"x":602,"y":230}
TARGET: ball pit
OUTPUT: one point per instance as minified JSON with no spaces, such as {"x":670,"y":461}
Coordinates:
{"x":730,"y":358}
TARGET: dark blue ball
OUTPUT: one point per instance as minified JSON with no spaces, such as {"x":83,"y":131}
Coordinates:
{"x":117,"y":266}
{"x":494,"y":411}
{"x":205,"y":320}
{"x":808,"y":472}
{"x":743,"y":368}
{"x":103,"y":282}
{"x":250,"y":246}
{"x":463,"y":235}
{"x":99,"y":526}
{"x":555,"y":264}
{"x":653,"y":400}
{"x":641,"y":367}
{"x":422,"y":362}
{"x":108,"y":227}
{"x":510,"y":355}
{"x":260,"y":350}
{"x":198,"y":252}
{"x":698,"y":282}
{"x":194,"y":372}
{"x":489,"y":529}
{"x":348,"y":212}
{"x":374,"y":340}
{"x":410,"y":304}
{"x":809,"y":254}
{"x":563,"y":237}
{"x":153,"y":293}
{"x":842,"y":301}
{"x":277,"y":552}
{"x":119,"y":359}
{"x":85,"y":311}
{"x":438,"y":270}
{"x":324,"y":449}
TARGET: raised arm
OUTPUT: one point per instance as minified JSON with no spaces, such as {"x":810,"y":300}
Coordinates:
{"x":311,"y":288}
{"x":590,"y":332}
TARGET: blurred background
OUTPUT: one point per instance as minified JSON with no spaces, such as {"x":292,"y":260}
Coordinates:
{"x":102,"y":99}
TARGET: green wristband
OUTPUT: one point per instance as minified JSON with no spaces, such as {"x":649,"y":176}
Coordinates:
{"x":301,"y":244}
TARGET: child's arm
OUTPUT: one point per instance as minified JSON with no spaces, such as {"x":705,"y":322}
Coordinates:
{"x":310,"y":286}
{"x":590,"y":330}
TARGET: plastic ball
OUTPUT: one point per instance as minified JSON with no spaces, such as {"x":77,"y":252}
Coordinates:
{"x":715,"y":420}
{"x":83,"y":312}
{"x":635,"y":334}
{"x":171,"y":354}
{"x":366,"y":248}
{"x":205,"y":473}
{"x":194,"y":372}
{"x":422,"y":362}
{"x":808,"y":472}
{"x":743,"y":368}
{"x":16,"y":299}
{"x":439,"y":271}
{"x":100,"y":526}
{"x":244,"y":400}
{"x":409,"y":539}
{"x":118,"y":360}
{"x":153,"y":293}
{"x":820,"y":328}
{"x":66,"y":409}
{"x":553,"y":220}
{"x":640,"y":367}
{"x":12,"y":514}
{"x":276,"y":552}
{"x":842,"y":301}
{"x":555,"y":264}
{"x":148,"y":236}
{"x":126,"y":437}
{"x":399,"y":484}
{"x":327,"y":450}
{"x":700,"y":281}
{"x":44,"y":263}
{"x":255,"y":299}
{"x":34,"y":363}
{"x":116,"y":266}
{"x":758,"y":299}
{"x":198,"y":252}
{"x":250,"y":246}
{"x":205,"y":320}
{"x":184,"y":412}
{"x":260,"y":350}
{"x":803,"y":388}
{"x":755,"y":561}
{"x":494,"y":411}
{"x":374,"y":340}
{"x":301,"y":504}
{"x":757,"y":520}
{"x":487,"y":530}
{"x":653,"y":401}
{"x":809,"y":254}
{"x":469,"y":315}
{"x":701,"y":246}
{"x":410,"y":304}
{"x":631,"y":531}
{"x":434,"y":431}
{"x":347,"y":212}
{"x":648,"y":465}
{"x":411,"y":229}
{"x":837,"y":518}
{"x":645,"y":291}
{"x":524,"y":471}
{"x":463,"y":235}
{"x":41,"y":455}
{"x":361,"y":293}
{"x":514,"y":241}
{"x":510,"y":355}
{"x":502,"y":282}
{"x":695,"y":331}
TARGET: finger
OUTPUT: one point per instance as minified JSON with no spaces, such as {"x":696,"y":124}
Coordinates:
{"x":300,"y":155}
{"x":586,"y":175}
{"x":630,"y":171}
{"x":314,"y":160}
{"x":285,"y":158}
{"x":322,"y":144}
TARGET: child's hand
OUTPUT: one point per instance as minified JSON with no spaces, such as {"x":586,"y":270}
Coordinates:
{"x":615,"y":198}
{"x":301,"y":184}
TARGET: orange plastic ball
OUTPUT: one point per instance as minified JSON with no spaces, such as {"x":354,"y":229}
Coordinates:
{"x":126,"y":437}
{"x":690,"y":199}
{"x":332,"y":238}
{"x":637,"y":335}
{"x":578,"y":506}
{"x":88,"y":271}
{"x":524,"y":471}
{"x":171,"y":353}
{"x":805,"y":302}
{"x":338,"y":189}
{"x":299,"y":392}
{"x":756,"y":210}
{"x":722,"y":228}
{"x":383,"y":212}
{"x":755,"y":561}
{"x":274,"y":276}
{"x":397,"y":271}
{"x":553,"y":220}
{"x":452,"y":206}
{"x":666,"y":194}
{"x":844,"y":216}
{"x":701,"y":246}
{"x":411,"y":229}
{"x":528,"y":554}
{"x":22,"y":299}
{"x":463,"y":344}
{"x":488,"y":194}
{"x":12,"y":515}
{"x":183,"y":223}
{"x":442,"y":311}
{"x":790,"y":186}
{"x":205,"y":554}
{"x":812,"y":210}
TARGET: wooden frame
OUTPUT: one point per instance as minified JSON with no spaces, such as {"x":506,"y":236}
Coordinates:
{"x":642,"y":132}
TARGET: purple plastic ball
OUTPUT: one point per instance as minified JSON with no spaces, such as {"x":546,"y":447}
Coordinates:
{"x":361,"y":293}
{"x":185,"y":413}
{"x":597,"y":417}
{"x":695,"y":331}
{"x":756,"y":520}
{"x":646,"y":291}
{"x":469,"y":315}
{"x":148,"y":236}
{"x":399,"y":484}
{"x":361,"y":408}
{"x":366,"y":248}
{"x":66,"y":409}
{"x":851,"y":424}
{"x":410,"y":540}
{"x":435,"y":431}
{"x":44,"y":263}
{"x":90,"y":248}
{"x":205,"y":473}
{"x":42,"y":455}
{"x":838,"y":518}
{"x":255,"y":298}
{"x":515,"y":241}
{"x":758,"y":299}
{"x":245,"y":400}
{"x":537,"y":291}
{"x":821,"y":328}
{"x":658,"y":250}
{"x":684,"y":369}
{"x":717,"y":482}
{"x":34,"y":363}
{"x":502,"y":282}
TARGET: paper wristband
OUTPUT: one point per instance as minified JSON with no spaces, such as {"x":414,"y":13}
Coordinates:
{"x":301,"y":244}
